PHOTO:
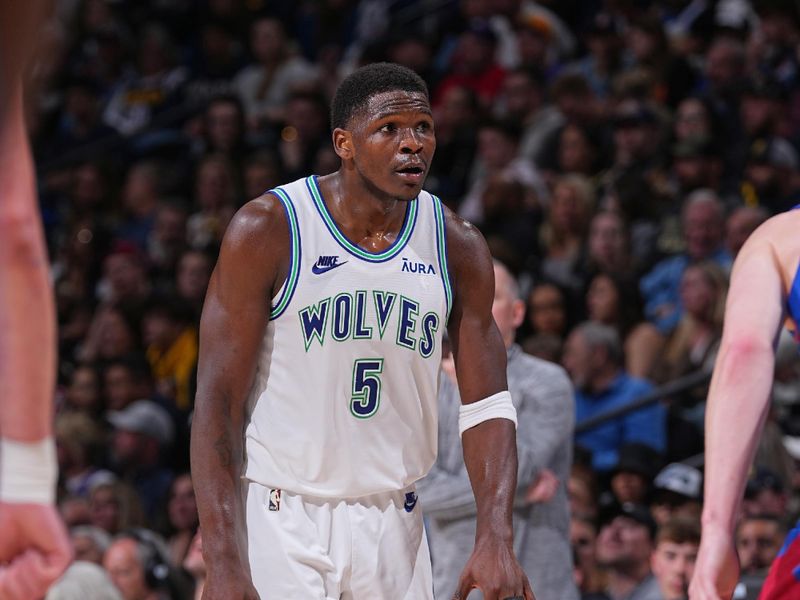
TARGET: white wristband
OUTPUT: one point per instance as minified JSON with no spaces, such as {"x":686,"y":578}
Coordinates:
{"x":497,"y":406}
{"x":28,"y":471}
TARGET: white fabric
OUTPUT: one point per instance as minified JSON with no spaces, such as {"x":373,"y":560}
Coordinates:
{"x":303,"y":435}
{"x":28,"y":471}
{"x":496,"y":406}
{"x":371,"y":548}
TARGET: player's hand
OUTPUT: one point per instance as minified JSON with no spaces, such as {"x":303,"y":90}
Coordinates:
{"x":543,"y":488}
{"x":224,"y":583}
{"x":34,"y":550}
{"x":716,"y":571}
{"x":494,"y":570}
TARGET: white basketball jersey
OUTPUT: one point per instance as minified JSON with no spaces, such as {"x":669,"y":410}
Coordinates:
{"x":344,"y":400}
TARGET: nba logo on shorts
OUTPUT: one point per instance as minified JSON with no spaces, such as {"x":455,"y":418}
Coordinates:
{"x":274,"y":500}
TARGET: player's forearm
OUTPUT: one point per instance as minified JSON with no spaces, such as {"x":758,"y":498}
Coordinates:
{"x":738,"y":403}
{"x":217,"y":459}
{"x":26,"y":357}
{"x":490,"y":453}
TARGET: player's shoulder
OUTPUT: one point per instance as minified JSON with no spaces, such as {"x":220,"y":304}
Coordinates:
{"x":776,"y":238}
{"x":465,"y":243}
{"x":259,"y":228}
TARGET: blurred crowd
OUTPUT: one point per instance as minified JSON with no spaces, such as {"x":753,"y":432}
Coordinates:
{"x":615,"y":154}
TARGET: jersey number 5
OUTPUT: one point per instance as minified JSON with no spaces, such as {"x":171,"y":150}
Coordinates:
{"x":366,"y":387}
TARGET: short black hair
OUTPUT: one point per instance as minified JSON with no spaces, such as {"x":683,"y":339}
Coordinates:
{"x":363,"y":83}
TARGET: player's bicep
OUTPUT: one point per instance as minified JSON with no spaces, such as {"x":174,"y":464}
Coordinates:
{"x":237,"y":305}
{"x":754,"y":309}
{"x":477,"y":345}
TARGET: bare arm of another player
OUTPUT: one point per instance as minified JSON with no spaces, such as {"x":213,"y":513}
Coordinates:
{"x":34,"y":549}
{"x":235,"y":315}
{"x":738,"y":402}
{"x":490,"y":450}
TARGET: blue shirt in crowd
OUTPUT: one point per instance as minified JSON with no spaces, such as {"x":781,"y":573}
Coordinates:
{"x":647,"y":425}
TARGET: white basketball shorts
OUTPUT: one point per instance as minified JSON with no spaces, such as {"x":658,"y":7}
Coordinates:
{"x":309,"y":548}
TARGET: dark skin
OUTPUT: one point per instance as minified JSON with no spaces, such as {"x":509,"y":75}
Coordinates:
{"x":385,"y":154}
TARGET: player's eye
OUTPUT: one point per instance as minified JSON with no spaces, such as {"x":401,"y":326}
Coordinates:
{"x":388,"y":128}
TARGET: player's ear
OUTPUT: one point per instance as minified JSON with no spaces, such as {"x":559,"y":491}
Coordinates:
{"x":343,"y":143}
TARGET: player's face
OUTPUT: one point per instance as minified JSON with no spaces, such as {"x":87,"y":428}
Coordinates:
{"x":393,"y":143}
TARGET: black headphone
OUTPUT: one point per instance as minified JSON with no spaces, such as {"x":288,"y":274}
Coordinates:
{"x":155,"y":565}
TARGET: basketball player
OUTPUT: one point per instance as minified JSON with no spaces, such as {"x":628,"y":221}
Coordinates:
{"x":34,"y":548}
{"x":764,"y":293}
{"x":321,"y":342}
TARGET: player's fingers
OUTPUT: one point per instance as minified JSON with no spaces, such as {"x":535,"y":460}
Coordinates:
{"x":26,"y":577}
{"x":465,"y":583}
{"x":528,"y":591}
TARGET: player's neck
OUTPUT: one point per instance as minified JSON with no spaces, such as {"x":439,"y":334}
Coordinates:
{"x":365,"y":215}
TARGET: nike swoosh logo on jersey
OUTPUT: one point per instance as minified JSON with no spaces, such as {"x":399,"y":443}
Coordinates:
{"x":325,"y":264}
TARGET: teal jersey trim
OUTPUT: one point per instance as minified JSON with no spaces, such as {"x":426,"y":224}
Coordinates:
{"x":441,"y":245}
{"x":402,"y":239}
{"x":294,"y":260}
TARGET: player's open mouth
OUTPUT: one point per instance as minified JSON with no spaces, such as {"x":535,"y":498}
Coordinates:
{"x":413,"y":174}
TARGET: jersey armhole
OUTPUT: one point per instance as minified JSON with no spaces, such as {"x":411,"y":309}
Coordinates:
{"x":284,"y":295}
{"x":441,"y":247}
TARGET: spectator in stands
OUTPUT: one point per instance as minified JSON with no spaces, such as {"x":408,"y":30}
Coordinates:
{"x":547,"y":310}
{"x":79,"y":441}
{"x":563,"y":233}
{"x":89,"y":543}
{"x":498,"y":155}
{"x":152,"y":88}
{"x":632,"y":476}
{"x":608,"y":246}
{"x":143,"y":434}
{"x":523,"y":101}
{"x":264,"y":86}
{"x":224,"y":124}
{"x":114,"y":506}
{"x":126,"y":379}
{"x":693,"y":347}
{"x":593,"y":359}
{"x":545,"y":424}
{"x":649,"y":49}
{"x":166,"y":241}
{"x":305,"y":131}
{"x":195,"y":565}
{"x":758,"y":540}
{"x":137,"y":566}
{"x":170,"y":337}
{"x":636,"y":138}
{"x":696,"y":164}
{"x":743,"y":221}
{"x":140,"y":198}
{"x":83,"y":393}
{"x":456,"y":144}
{"x":124,"y":276}
{"x":624,"y":545}
{"x":583,"y":538}
{"x":216,"y":196}
{"x":181,"y":518}
{"x":672,"y":561}
{"x":113,"y":334}
{"x":192,"y":277}
{"x":474,"y":65}
{"x":677,"y":493}
{"x":613,"y":301}
{"x":765,"y":494}
{"x":771,"y":174}
{"x":703,"y":229}
{"x":261,"y":172}
{"x":84,"y":580}
{"x":603,"y":61}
